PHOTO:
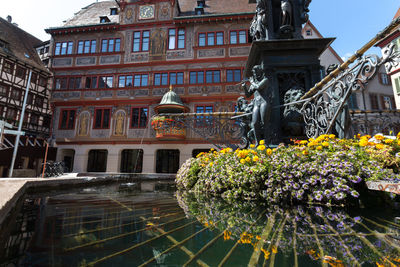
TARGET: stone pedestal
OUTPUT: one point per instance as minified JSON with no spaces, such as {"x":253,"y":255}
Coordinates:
{"x":288,"y":64}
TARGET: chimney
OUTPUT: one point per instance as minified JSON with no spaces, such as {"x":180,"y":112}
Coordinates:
{"x":9,"y":18}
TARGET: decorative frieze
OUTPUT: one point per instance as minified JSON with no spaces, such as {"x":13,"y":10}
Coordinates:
{"x":141,"y":92}
{"x":62,"y":62}
{"x":239,"y":51}
{"x":211,"y":53}
{"x":115,"y":59}
{"x":139,"y":57}
{"x":233,"y":89}
{"x":82,"y":61}
{"x":176,"y":54}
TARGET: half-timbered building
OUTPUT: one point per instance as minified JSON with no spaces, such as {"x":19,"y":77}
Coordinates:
{"x":18,"y":58}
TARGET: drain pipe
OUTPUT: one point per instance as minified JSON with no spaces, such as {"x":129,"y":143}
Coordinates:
{"x":21,"y":122}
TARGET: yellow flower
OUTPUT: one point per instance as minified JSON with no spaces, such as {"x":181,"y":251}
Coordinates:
{"x":388,"y":141}
{"x":255,"y":158}
{"x":398,"y":135}
{"x":363,"y":142}
{"x":206,"y":159}
{"x":325,"y":144}
{"x":312,"y":143}
{"x":311,"y":140}
{"x":227,"y":235}
{"x":262,"y":142}
{"x":252,"y":146}
{"x":380,"y":146}
{"x":319,"y":147}
{"x":200,"y":154}
{"x":248,"y":159}
{"x":398,"y":142}
{"x":266,"y":253}
{"x":243,"y":161}
{"x":305,"y":152}
{"x":211,"y":164}
{"x":274,"y":249}
{"x":261,"y":147}
{"x":332,"y":136}
{"x":304,"y":142}
{"x":269,"y":152}
{"x":379,"y":137}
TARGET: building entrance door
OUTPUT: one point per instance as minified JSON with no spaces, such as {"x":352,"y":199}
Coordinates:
{"x":167,"y":161}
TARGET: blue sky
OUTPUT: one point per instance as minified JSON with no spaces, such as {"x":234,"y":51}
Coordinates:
{"x":352,"y":22}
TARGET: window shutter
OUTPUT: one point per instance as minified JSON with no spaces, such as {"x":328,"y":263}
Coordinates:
{"x":393,"y":103}
{"x":382,"y":102}
{"x":397,"y":85}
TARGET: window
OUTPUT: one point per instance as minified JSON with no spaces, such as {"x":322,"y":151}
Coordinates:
{"x":384,"y":78}
{"x":131,"y":160}
{"x":63,"y":48}
{"x":97,"y":160}
{"x":352,"y":102}
{"x":141,"y":80}
{"x":125,"y":81}
{"x":202,"y":121}
{"x":15,"y":94}
{"x":86,"y":47}
{"x":167,"y":161}
{"x":141,"y":41}
{"x":213,"y":76}
{"x":196,"y":77}
{"x":308,"y":32}
{"x":168,"y":78}
{"x":397,"y":85}
{"x":387,"y":102}
{"x":20,"y":72}
{"x":42,"y":81}
{"x":29,"y":100}
{"x":3,"y":90}
{"x":91,"y":82}
{"x":238,"y":37}
{"x":105,"y":82}
{"x":61,"y":83}
{"x":176,"y":38}
{"x":211,"y":38}
{"x":39,"y":101}
{"x":139,"y":117}
{"x":34,"y":119}
{"x":67,"y":119}
{"x":233,"y":75}
{"x":396,"y":44}
{"x":111,"y":45}
{"x":102,"y":118}
{"x":113,"y":11}
{"x":74,"y":83}
{"x":11,"y":114}
{"x":374,"y":101}
{"x":34,"y":78}
{"x":8,"y":67}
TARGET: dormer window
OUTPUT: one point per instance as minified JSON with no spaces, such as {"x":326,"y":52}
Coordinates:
{"x":104,"y":19}
{"x":308,"y":32}
{"x":113,"y":11}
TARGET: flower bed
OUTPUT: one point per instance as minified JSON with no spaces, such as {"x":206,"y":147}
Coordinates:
{"x":323,"y":170}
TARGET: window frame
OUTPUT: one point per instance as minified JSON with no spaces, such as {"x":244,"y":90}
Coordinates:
{"x":4,"y":89}
{"x":141,"y":76}
{"x":108,"y":45}
{"x":91,"y":43}
{"x":176,"y":37}
{"x":20,"y":72}
{"x":68,"y":110}
{"x":68,"y":49}
{"x":200,"y":121}
{"x":140,"y":108}
{"x":141,"y":41}
{"x":238,"y":37}
{"x":233,"y":75}
{"x":8,"y":67}
{"x":125,"y":82}
{"x":101,"y":127}
{"x":207,"y":38}
{"x":168,"y":78}
{"x":213,"y":76}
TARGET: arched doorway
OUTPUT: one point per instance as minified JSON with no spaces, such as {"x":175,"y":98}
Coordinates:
{"x":167,"y":161}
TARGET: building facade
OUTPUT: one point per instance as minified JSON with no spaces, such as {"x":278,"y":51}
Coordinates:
{"x":18,"y":58}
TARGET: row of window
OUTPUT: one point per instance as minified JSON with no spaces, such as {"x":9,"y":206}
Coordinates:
{"x":11,"y":114}
{"x":141,"y":80}
{"x":102,"y":116}
{"x":141,"y":42}
{"x":20,"y":72}
{"x":167,"y":160}
{"x":16,"y":94}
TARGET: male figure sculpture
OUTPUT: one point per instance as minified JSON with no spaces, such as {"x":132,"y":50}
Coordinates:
{"x":259,"y":87}
{"x":286,"y":13}
{"x":258,"y":28}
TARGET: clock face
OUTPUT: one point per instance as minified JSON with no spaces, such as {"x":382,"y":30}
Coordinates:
{"x":146,"y":12}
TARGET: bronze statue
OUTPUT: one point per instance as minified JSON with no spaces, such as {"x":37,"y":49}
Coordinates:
{"x":258,"y":28}
{"x":260,"y":88}
{"x":286,"y":13}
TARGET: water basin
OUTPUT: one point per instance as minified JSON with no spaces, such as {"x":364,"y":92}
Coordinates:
{"x":149,"y":224}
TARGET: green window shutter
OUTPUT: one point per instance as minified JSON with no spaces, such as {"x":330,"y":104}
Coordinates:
{"x":397,"y":84}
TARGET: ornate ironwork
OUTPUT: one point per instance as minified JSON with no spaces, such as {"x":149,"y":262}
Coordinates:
{"x":326,"y":109}
{"x":218,"y":128}
{"x":373,"y":122}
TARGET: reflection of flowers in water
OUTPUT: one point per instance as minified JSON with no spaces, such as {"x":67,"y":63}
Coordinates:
{"x":342,"y":240}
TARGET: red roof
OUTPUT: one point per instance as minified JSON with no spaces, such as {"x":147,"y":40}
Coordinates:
{"x":397,"y":14}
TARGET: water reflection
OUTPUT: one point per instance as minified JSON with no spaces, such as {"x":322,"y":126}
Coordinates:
{"x":145,"y":224}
